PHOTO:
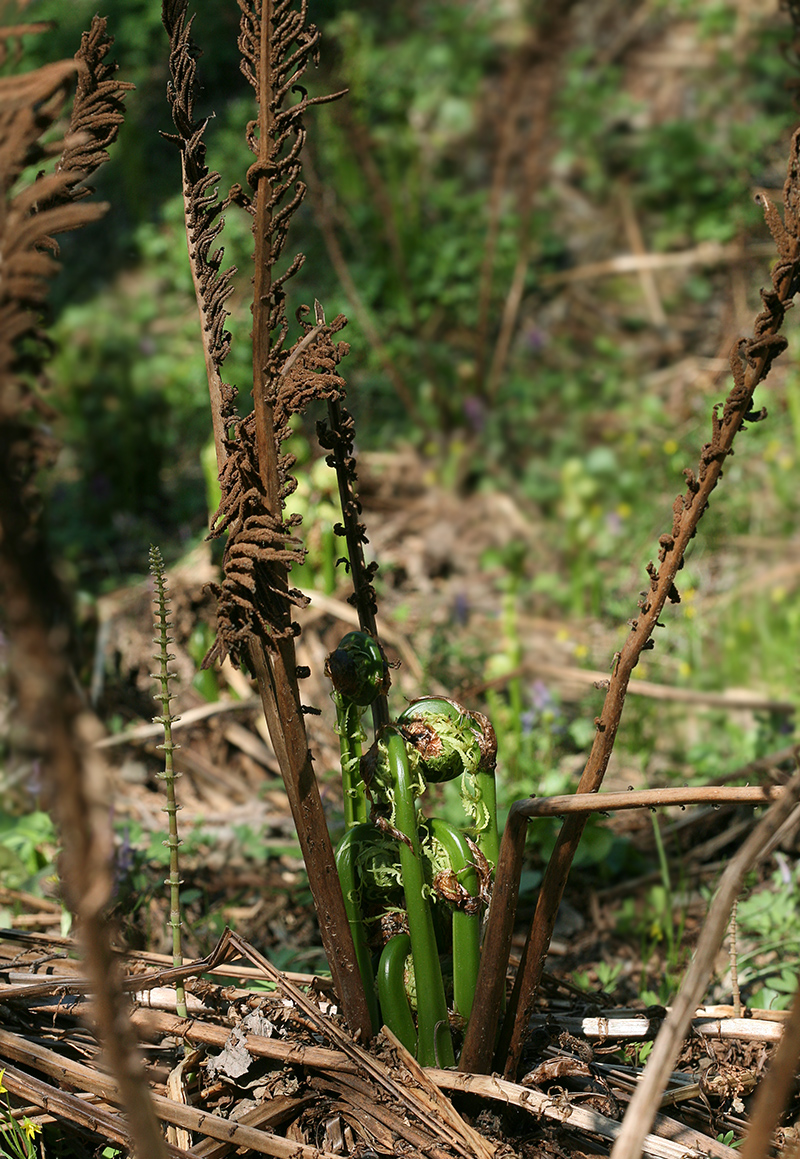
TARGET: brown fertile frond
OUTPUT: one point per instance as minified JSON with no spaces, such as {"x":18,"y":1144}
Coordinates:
{"x":274,"y":177}
{"x":29,"y":106}
{"x":202,"y":210}
{"x":338,"y":436}
{"x":255,"y":600}
{"x":98,"y":109}
{"x":261,"y":547}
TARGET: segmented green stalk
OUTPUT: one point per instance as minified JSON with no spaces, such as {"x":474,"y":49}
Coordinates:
{"x":435,"y":1045}
{"x":166,"y":719}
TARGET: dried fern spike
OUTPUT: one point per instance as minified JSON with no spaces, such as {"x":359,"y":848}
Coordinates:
{"x":751,"y":360}
{"x":338,"y":436}
{"x":202,"y":211}
{"x":166,"y":719}
{"x":254,"y":600}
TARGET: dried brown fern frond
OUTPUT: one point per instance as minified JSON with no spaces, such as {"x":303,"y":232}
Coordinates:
{"x":97,"y":110}
{"x":31,"y":217}
{"x":48,"y":710}
{"x":202,"y":208}
{"x":255,"y":600}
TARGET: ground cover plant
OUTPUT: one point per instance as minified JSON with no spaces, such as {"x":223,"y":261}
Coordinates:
{"x":433,"y":876}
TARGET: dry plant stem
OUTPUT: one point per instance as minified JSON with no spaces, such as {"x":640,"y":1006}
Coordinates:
{"x":773,"y":1091}
{"x":482,"y":1030}
{"x":735,"y":991}
{"x":288,"y":734}
{"x":262,"y":230}
{"x":750,"y":363}
{"x":276,"y":669}
{"x":55,"y":727}
{"x":647,"y":1096}
{"x":582,"y":803}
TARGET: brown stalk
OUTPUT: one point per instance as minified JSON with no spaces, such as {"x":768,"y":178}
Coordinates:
{"x":34,"y":607}
{"x":750,"y":363}
{"x":646,"y":1098}
{"x":275,"y":670}
{"x":774,"y":1089}
{"x":254,"y":619}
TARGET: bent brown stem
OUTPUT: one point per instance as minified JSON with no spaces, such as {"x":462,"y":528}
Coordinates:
{"x":479,"y":1042}
{"x":751,"y":360}
{"x":288,"y":735}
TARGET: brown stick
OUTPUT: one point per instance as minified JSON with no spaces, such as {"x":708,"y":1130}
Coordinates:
{"x":646,"y":799}
{"x":773,"y":1091}
{"x":276,"y":670}
{"x":645,"y":1101}
{"x":476,"y":1056}
{"x":750,"y":363}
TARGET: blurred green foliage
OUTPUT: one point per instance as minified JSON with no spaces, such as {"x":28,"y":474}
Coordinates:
{"x":401,"y":206}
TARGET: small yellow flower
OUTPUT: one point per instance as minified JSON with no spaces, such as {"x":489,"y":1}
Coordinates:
{"x":684,"y":669}
{"x":30,"y":1129}
{"x":581,"y":652}
{"x":624,"y":510}
{"x":3,"y":1090}
{"x":670,"y":447}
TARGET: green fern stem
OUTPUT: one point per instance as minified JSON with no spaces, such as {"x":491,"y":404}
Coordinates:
{"x":395,"y":1009}
{"x":466,"y":926}
{"x":435,"y":1046}
{"x":346,"y":857}
{"x":351,"y":736}
{"x":166,"y":720}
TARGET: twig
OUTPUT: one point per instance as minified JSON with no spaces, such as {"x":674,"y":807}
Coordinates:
{"x":646,"y":1098}
{"x":140,"y":732}
{"x":646,"y":799}
{"x":708,"y":253}
{"x":565,"y":1113}
{"x":737,"y":997}
{"x":482,"y":1029}
{"x":774,"y":1089}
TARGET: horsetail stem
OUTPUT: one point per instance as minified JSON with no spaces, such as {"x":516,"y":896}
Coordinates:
{"x":166,"y":720}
